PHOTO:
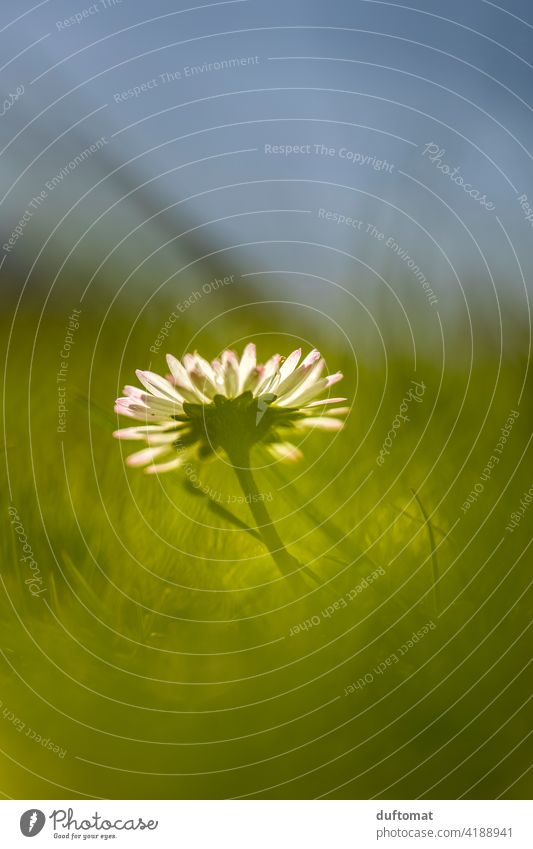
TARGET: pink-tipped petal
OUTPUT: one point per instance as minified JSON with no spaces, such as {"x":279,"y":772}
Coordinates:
{"x":287,"y":367}
{"x":312,"y":357}
{"x":298,"y":399}
{"x":303,"y":377}
{"x":334,"y":378}
{"x":285,"y":451}
{"x":321,"y":422}
{"x":132,"y":391}
{"x":141,"y":458}
{"x":205,"y":390}
{"x":204,"y":368}
{"x":247,"y":365}
{"x":133,"y":411}
{"x":161,"y":406}
{"x":322,"y":402}
{"x":162,"y":438}
{"x":178,"y":371}
{"x":156,"y":468}
{"x":230,"y":364}
{"x":128,"y":433}
{"x":269,"y":376}
{"x":157,"y":385}
{"x":337,"y":411}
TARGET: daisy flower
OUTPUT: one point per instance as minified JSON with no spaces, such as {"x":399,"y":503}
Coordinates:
{"x":229,"y":405}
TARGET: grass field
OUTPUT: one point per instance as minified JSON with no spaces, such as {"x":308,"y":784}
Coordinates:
{"x":163,"y":657}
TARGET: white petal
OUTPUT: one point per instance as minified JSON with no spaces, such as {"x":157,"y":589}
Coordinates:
{"x":229,"y":357}
{"x":193,"y":395}
{"x":141,"y":432}
{"x":122,"y":410}
{"x":163,"y":407}
{"x":163,"y":438}
{"x":182,"y":380}
{"x":157,"y":385}
{"x":252,"y":381}
{"x":320,"y":422}
{"x":337,"y":411}
{"x":218,"y":368}
{"x":132,"y":391}
{"x":178,"y":371}
{"x":204,"y":388}
{"x":189,"y":361}
{"x":246,"y":365}
{"x":164,"y":467}
{"x":269,"y":371}
{"x":219,"y":371}
{"x":285,"y":451}
{"x":231,"y":373}
{"x":133,"y":409}
{"x":288,"y":366}
{"x":301,"y":379}
{"x":298,"y":399}
{"x":204,"y":368}
{"x":128,"y":433}
{"x":141,"y":414}
{"x":268,"y":387}
{"x":311,"y":358}
{"x":141,"y":458}
{"x":320,"y":403}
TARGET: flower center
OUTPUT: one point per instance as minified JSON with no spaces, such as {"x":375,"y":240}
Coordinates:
{"x":235,"y":424}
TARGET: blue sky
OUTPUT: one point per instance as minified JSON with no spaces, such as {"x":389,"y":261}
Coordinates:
{"x":367,"y":82}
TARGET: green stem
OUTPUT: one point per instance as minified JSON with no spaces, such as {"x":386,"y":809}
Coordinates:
{"x":265,"y":526}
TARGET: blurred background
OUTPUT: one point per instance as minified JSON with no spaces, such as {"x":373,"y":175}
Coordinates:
{"x":355,"y":176}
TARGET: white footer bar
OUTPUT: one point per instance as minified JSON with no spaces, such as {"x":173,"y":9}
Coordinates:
{"x":268,"y":824}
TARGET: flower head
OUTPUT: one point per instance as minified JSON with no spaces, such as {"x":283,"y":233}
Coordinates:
{"x":228,"y":404}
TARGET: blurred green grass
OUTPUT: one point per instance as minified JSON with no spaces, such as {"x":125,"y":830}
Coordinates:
{"x":160,"y":656}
